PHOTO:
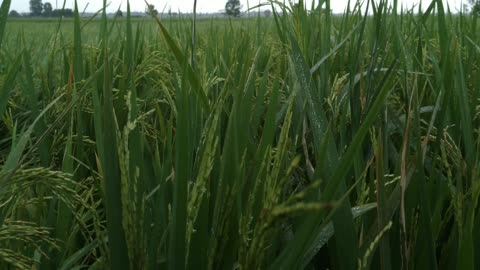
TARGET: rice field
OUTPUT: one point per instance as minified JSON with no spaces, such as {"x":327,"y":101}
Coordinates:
{"x":304,"y":140}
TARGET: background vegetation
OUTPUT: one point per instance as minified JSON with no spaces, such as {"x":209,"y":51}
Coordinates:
{"x":302,"y":141}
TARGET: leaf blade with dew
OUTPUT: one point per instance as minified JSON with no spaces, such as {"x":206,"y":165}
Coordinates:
{"x":328,"y":231}
{"x":334,"y":50}
{"x":309,"y":95}
{"x":342,"y":219}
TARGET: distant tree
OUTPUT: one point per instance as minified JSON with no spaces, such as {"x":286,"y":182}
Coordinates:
{"x":57,"y":13}
{"x":151,"y":8}
{"x":14,"y":14}
{"x":47,"y":9}
{"x":119,"y":13}
{"x":267,"y":13}
{"x":62,"y":12}
{"x":474,"y":6}
{"x":68,"y":12}
{"x":36,"y":7}
{"x":232,"y":8}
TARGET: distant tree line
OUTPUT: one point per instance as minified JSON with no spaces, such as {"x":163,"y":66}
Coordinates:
{"x":39,"y":9}
{"x":14,"y":13}
{"x":474,"y":6}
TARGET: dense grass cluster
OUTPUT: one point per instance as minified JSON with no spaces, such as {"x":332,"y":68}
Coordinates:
{"x":301,"y":141}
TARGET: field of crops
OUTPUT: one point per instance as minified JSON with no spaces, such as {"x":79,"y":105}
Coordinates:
{"x":301,"y":141}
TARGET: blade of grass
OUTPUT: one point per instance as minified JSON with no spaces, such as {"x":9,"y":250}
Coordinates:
{"x":13,"y":159}
{"x":183,"y":161}
{"x":113,"y":196}
{"x":4,"y":9}
{"x":9,"y":84}
{"x":181,"y":60}
{"x":32,"y":96}
{"x":328,"y":231}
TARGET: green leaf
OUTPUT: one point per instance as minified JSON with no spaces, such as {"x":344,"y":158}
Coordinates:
{"x":9,"y":84}
{"x":4,"y":9}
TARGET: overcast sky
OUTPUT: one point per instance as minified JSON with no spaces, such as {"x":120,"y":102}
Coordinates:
{"x":187,"y":5}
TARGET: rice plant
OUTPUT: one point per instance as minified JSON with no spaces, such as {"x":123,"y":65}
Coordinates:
{"x":306,"y":140}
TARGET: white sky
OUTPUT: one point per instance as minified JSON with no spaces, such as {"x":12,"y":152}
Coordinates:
{"x":187,"y":5}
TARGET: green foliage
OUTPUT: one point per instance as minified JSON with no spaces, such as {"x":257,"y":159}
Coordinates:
{"x":151,"y":10}
{"x":36,"y":7}
{"x":14,"y":14}
{"x":300,"y":141}
{"x":233,"y":7}
{"x":4,"y":8}
{"x":47,"y":9}
{"x":474,"y":6}
{"x":68,"y":13}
